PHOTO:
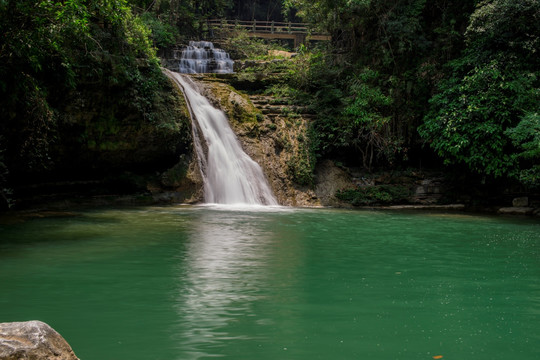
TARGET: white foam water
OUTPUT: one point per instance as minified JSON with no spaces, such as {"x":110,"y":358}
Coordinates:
{"x":201,"y":57}
{"x":230,"y":175}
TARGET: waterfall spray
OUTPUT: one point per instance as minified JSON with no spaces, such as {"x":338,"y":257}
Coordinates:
{"x":230,"y":175}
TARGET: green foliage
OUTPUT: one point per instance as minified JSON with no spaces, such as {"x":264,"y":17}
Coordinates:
{"x":494,"y":83}
{"x":526,"y":137}
{"x":508,"y":28}
{"x":352,"y":110}
{"x":370,"y":87}
{"x":5,"y":191}
{"x":52,"y":50}
{"x":163,"y":34}
{"x":301,"y":165}
{"x":384,"y":32}
{"x":375,"y":195}
{"x":181,"y":19}
{"x":365,"y":122}
{"x":243,"y":47}
{"x":470,"y":116}
{"x":284,"y":93}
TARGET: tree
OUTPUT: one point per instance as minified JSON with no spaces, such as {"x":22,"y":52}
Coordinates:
{"x":367,"y":127}
{"x":493,"y":85}
{"x":49,"y":49}
{"x":526,"y":137}
{"x":405,"y":41}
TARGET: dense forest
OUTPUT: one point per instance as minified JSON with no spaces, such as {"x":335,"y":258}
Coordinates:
{"x":402,"y":83}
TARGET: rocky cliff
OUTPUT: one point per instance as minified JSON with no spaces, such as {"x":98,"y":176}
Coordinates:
{"x":273,"y":135}
{"x":112,"y":141}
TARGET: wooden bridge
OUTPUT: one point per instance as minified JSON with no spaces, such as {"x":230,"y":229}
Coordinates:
{"x":298,"y":32}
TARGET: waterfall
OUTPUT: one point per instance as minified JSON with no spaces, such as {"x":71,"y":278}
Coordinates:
{"x":230,"y":175}
{"x":202,"y":57}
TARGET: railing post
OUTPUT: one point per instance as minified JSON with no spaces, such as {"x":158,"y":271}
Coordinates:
{"x":290,"y":27}
{"x":272,"y":27}
{"x":254,"y":25}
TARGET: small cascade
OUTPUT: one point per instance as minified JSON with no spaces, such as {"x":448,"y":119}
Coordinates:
{"x":230,"y":175}
{"x":201,"y":57}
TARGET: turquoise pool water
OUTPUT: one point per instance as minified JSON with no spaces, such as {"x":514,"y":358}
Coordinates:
{"x":201,"y":282}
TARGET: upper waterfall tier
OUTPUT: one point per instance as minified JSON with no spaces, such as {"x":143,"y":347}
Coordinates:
{"x":201,"y":57}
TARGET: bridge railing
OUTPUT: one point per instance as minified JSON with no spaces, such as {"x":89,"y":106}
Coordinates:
{"x":256,"y":26}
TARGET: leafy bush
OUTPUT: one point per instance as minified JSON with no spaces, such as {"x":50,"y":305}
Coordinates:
{"x":5,"y":191}
{"x":163,"y":34}
{"x":526,"y":137}
{"x":52,"y":50}
{"x":301,"y":166}
{"x":375,"y":195}
{"x":467,"y":122}
{"x":493,"y":84}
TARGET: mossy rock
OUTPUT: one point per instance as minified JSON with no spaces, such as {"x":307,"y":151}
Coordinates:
{"x":375,"y":195}
{"x":241,"y":112}
{"x":102,"y":131}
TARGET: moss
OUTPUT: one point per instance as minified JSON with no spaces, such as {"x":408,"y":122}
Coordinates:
{"x":301,"y":166}
{"x":175,"y":176}
{"x":237,"y":106}
{"x":375,"y":195}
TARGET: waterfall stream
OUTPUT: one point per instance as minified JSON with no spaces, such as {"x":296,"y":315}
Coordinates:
{"x":202,"y":57}
{"x":230,"y":175}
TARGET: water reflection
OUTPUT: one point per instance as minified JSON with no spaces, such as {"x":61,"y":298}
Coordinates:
{"x":223,"y":271}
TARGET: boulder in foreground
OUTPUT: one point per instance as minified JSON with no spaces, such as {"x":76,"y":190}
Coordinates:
{"x":33,"y":340}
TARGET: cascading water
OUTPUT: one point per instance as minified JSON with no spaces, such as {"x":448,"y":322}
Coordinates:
{"x":230,"y":175}
{"x":202,"y":57}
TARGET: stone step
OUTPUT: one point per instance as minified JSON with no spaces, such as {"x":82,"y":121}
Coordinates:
{"x":263,"y":100}
{"x":260,"y":102}
{"x":276,"y":115}
{"x":272,"y":110}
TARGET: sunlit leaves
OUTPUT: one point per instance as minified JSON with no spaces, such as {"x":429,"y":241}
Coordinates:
{"x":366,"y":101}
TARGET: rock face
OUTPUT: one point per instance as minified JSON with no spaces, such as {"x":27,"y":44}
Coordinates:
{"x":273,"y":135}
{"x":33,"y":340}
{"x":429,"y":191}
{"x":520,"y":202}
{"x":107,"y":145}
{"x":330,"y":179}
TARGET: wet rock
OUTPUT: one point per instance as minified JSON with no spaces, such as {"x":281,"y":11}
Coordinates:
{"x":458,"y":207}
{"x":331,"y":178}
{"x":516,"y":211}
{"x":33,"y":340}
{"x":429,"y":191}
{"x":520,"y":202}
{"x":276,"y":143}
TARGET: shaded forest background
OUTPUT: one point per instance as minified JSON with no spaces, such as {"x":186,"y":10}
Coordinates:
{"x":403,"y":83}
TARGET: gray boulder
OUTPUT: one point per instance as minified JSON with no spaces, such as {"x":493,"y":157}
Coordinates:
{"x":520,"y":202}
{"x":33,"y":340}
{"x":516,"y":211}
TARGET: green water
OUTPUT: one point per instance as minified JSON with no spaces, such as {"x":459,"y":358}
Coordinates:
{"x":198,"y":283}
